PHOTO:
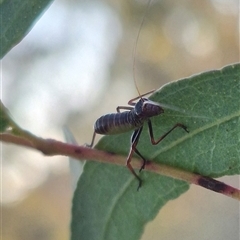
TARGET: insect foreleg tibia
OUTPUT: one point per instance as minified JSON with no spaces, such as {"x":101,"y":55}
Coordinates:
{"x":131,"y":102}
{"x":154,"y":142}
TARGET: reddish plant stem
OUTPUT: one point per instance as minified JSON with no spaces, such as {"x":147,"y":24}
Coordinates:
{"x":52,"y":147}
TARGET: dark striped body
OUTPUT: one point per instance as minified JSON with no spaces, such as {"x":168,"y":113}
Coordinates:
{"x":116,"y":123}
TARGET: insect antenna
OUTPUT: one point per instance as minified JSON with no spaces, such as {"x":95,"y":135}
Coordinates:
{"x":135,"y":47}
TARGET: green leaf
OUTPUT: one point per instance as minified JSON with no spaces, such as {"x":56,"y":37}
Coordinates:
{"x":106,"y":204}
{"x":17,"y":18}
{"x":5,"y":120}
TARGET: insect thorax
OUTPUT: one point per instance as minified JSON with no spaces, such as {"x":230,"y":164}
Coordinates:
{"x":146,"y":108}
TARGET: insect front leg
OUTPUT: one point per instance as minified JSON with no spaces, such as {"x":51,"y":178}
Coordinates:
{"x":154,"y":142}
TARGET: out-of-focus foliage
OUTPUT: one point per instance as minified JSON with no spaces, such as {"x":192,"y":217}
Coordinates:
{"x":17,"y":17}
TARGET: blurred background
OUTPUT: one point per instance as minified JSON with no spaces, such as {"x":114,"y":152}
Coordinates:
{"x":75,"y":65}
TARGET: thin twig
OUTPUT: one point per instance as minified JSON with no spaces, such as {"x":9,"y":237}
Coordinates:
{"x":52,"y":147}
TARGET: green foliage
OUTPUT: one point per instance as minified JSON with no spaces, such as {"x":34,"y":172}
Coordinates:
{"x":106,"y":204}
{"x":4,"y":118}
{"x":17,"y":18}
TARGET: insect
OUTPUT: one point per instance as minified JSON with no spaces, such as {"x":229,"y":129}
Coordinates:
{"x":138,"y":113}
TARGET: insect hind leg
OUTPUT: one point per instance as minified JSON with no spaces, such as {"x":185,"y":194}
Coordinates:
{"x":134,"y":141}
{"x":141,"y":156}
{"x":93,"y":138}
{"x":153,"y":141}
{"x":129,"y":166}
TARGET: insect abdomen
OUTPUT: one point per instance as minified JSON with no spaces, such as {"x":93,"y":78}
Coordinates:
{"x":117,"y":123}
